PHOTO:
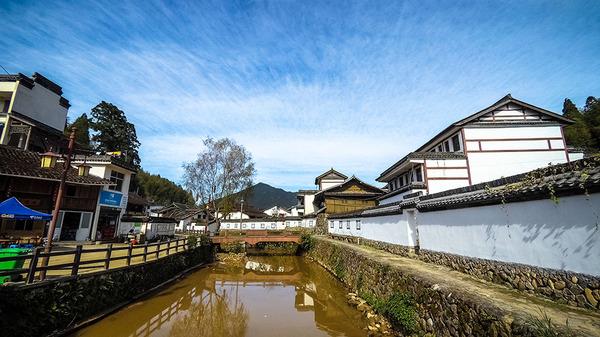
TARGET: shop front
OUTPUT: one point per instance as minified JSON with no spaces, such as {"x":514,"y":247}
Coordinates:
{"x":109,"y":215}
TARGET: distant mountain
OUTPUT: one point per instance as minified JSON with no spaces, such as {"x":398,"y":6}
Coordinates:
{"x":263,"y":196}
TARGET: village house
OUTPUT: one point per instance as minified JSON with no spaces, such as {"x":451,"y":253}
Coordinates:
{"x":277,"y":211}
{"x":506,"y":138}
{"x":22,"y":176}
{"x":337,"y":193}
{"x":33,"y":113}
{"x":113,"y":199}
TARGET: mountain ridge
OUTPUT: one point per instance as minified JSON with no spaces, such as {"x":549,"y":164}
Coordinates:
{"x":264,"y":196}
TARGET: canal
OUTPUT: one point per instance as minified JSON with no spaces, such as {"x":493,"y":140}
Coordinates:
{"x":263,"y":296}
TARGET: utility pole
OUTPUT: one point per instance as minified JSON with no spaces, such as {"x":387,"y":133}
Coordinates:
{"x":58,"y":202}
{"x":241,"y":212}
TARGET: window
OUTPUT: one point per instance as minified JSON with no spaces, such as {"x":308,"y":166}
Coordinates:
{"x":419,"y":174}
{"x":227,"y":226}
{"x":71,"y":191}
{"x":117,"y":178}
{"x":340,"y":224}
{"x":455,"y":143}
{"x":273,"y":226}
{"x":347,"y":224}
{"x":447,"y":146}
{"x":235,"y":226}
{"x":252,"y":226}
{"x":330,"y":224}
{"x":243,"y":225}
{"x":262,"y":225}
{"x":357,"y":225}
{"x":310,"y":223}
{"x":287,"y":224}
{"x":439,"y":148}
{"x":23,"y":225}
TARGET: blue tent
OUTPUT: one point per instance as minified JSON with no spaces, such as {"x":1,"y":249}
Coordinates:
{"x":13,"y":209}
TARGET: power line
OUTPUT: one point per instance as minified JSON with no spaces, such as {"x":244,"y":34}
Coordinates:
{"x":4,"y":70}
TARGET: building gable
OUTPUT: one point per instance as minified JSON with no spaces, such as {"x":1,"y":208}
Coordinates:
{"x":330,"y":175}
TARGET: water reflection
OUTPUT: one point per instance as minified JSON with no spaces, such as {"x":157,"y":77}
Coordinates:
{"x":270,"y":296}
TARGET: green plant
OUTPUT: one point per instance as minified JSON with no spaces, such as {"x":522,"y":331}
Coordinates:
{"x":307,"y":242}
{"x":543,"y":326}
{"x":399,"y":309}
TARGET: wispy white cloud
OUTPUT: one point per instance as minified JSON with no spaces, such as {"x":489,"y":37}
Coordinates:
{"x":303,"y":86}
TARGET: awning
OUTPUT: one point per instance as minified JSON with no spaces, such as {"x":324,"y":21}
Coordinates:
{"x":13,"y":209}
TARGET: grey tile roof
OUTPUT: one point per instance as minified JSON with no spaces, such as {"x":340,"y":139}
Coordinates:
{"x":578,"y":177}
{"x":20,"y":163}
{"x":423,"y":155}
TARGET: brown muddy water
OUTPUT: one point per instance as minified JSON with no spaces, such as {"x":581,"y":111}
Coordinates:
{"x":269,"y":296}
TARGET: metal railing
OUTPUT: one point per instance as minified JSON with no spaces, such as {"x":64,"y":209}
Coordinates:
{"x":152,"y":251}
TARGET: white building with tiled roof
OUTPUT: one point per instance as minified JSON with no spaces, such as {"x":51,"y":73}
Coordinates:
{"x":509,"y":137}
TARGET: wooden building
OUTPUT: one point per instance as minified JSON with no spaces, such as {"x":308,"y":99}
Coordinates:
{"x":350,"y":195}
{"x":21,"y":176}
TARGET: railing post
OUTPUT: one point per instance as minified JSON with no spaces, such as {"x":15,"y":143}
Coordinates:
{"x":177,"y":245}
{"x":168,"y":247}
{"x":108,"y":255}
{"x":76,"y":260}
{"x":33,"y":265}
{"x":129,"y":251}
{"x":145,"y":251}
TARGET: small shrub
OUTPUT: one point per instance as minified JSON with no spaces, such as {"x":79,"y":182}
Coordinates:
{"x":399,"y":309}
{"x":542,"y":326}
{"x":307,"y":242}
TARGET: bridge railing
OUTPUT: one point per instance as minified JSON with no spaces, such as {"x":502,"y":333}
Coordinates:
{"x":81,"y":259}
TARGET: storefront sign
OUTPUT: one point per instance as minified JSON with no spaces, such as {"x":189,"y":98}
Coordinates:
{"x":109,"y":198}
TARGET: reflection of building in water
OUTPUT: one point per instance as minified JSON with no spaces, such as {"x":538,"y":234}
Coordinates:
{"x":303,"y":300}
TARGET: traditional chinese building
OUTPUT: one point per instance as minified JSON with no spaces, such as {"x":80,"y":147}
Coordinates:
{"x":506,"y":138}
{"x":22,"y":176}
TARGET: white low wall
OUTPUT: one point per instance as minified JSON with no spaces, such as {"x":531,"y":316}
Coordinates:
{"x":389,"y":228}
{"x":541,"y":233}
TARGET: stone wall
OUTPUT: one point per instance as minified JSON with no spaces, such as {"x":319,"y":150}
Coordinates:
{"x":442,"y":311}
{"x":52,"y":306}
{"x":561,"y":286}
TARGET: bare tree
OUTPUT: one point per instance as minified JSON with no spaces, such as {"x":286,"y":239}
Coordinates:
{"x":221,"y":170}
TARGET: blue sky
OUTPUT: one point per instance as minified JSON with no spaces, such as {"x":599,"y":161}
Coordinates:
{"x":305,"y":86}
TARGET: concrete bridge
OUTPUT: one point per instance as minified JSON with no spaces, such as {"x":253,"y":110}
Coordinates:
{"x":251,"y":238}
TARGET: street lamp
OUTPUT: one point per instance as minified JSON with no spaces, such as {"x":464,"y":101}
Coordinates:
{"x":58,"y":203}
{"x":48,"y":159}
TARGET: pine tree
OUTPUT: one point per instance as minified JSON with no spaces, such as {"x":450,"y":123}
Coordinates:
{"x":577,"y":134}
{"x":82,"y":133}
{"x":114,"y":132}
{"x":591,"y":115}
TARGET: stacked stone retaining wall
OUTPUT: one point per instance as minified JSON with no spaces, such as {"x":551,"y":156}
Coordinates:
{"x":441,"y":311}
{"x":53,"y":306}
{"x":561,"y":286}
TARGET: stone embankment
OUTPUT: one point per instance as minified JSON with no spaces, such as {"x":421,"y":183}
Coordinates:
{"x":54,"y":307}
{"x":446,"y":302}
{"x":564,"y":287}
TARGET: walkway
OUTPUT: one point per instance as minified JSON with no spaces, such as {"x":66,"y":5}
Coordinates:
{"x":518,"y":304}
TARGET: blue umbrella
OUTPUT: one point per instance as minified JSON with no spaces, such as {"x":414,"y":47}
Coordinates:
{"x":14,"y":210}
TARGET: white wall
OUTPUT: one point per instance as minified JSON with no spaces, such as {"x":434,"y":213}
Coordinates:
{"x":510,"y":147}
{"x":540,"y":233}
{"x":40,"y":104}
{"x":325,"y":184}
{"x":389,"y":228}
{"x":225,"y":224}
{"x":308,"y":203}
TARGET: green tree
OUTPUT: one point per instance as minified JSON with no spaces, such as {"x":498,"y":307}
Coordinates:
{"x":161,"y":190}
{"x":577,"y":134}
{"x":591,"y":115}
{"x":114,"y":132}
{"x":82,"y":133}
